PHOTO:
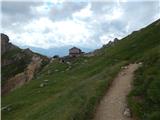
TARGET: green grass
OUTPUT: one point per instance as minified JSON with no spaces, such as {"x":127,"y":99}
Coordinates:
{"x":147,"y":88}
{"x":16,"y":66}
{"x":67,"y":96}
{"x":72,"y":94}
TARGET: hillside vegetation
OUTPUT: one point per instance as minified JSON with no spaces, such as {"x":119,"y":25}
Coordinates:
{"x":71,"y":90}
{"x":144,"y":99}
{"x":18,"y":65}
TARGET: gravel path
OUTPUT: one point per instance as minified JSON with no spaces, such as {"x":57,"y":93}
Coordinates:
{"x":113,"y":105}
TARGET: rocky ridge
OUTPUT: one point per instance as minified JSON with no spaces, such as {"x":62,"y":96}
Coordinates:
{"x":19,"y":66}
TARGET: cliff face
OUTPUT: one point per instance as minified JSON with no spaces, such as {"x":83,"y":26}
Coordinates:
{"x":5,"y":45}
{"x":6,"y":48}
{"x":19,"y":66}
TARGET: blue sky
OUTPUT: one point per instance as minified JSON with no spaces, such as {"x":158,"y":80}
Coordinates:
{"x":51,"y":25}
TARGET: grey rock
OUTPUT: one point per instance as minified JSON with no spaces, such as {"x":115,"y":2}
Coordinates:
{"x":6,"y":108}
{"x":140,"y":63}
{"x":124,"y":67}
{"x":67,"y":69}
{"x":127,"y":112}
{"x":48,"y":71}
{"x":46,"y":80}
{"x":69,"y":63}
{"x":5,"y":44}
{"x":56,"y":70}
{"x":85,"y":61}
{"x":42,"y":85}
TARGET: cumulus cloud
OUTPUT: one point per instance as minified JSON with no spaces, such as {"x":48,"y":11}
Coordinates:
{"x":45,"y":33}
{"x":84,"y":13}
{"x":48,"y":24}
{"x":17,"y":12}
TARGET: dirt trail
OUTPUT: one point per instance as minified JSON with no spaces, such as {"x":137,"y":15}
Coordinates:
{"x":114,"y":102}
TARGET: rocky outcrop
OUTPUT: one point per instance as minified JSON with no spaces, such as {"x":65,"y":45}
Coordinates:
{"x":6,"y":47}
{"x":28,"y":51}
{"x":5,"y":44}
{"x":19,"y":66}
{"x":116,"y":40}
{"x":5,"y":62}
{"x":21,"y":78}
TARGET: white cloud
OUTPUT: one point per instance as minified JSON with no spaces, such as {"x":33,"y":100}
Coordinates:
{"x":58,"y":34}
{"x":115,"y":14}
{"x":89,"y":26}
{"x":157,"y":16}
{"x":84,"y":13}
{"x":54,"y":1}
{"x":43,"y":9}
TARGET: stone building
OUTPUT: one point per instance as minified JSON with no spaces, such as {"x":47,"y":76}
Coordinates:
{"x":75,"y":52}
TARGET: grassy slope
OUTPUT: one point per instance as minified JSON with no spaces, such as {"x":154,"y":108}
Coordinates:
{"x":144,"y":99}
{"x":73,"y":94}
{"x":67,"y":96}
